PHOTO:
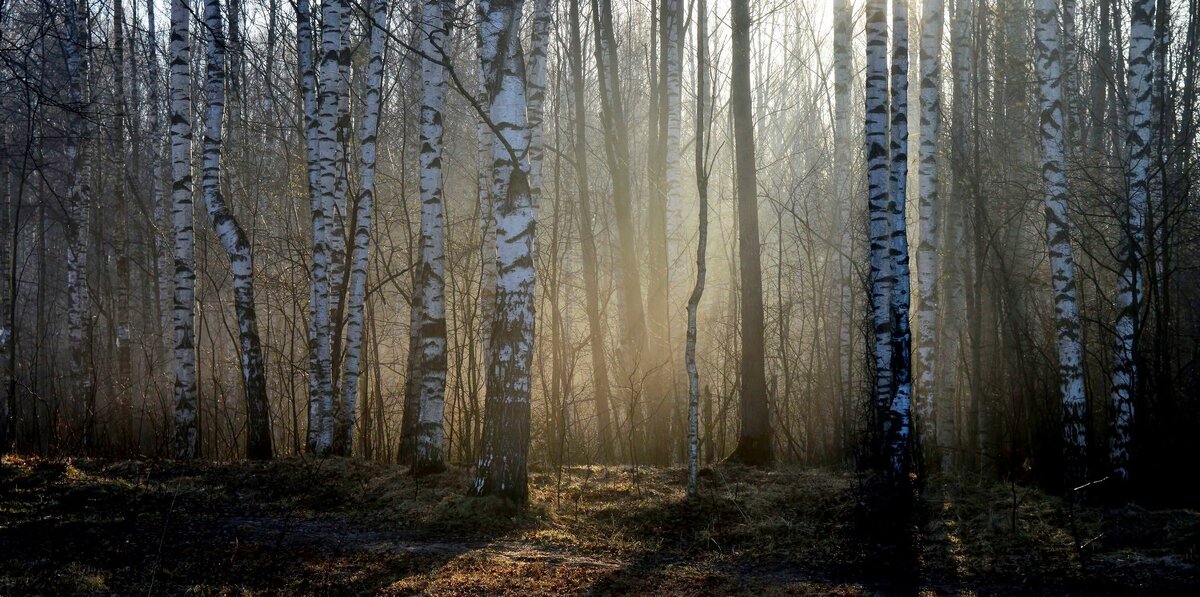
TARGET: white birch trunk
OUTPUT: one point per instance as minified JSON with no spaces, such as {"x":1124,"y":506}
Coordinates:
{"x":319,"y":277}
{"x":899,"y":419}
{"x":427,"y":364}
{"x":543,"y":14}
{"x":357,"y":291}
{"x":163,"y":235}
{"x":1129,"y":285}
{"x":487,"y":224}
{"x":337,"y":214}
{"x":673,"y":73}
{"x":1058,"y":237}
{"x":234,"y":240}
{"x":501,"y":468}
{"x":183,"y":222}
{"x":952,"y":262}
{"x":328,"y":156}
{"x":927,"y":248}
{"x":876,"y":131}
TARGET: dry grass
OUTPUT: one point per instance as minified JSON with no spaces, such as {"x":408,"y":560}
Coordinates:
{"x":345,"y":526}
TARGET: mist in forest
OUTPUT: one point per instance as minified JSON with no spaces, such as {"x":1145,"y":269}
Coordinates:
{"x":936,"y":258}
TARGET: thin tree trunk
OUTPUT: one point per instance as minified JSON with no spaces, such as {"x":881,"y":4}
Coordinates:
{"x":364,"y":208}
{"x":953,"y":262}
{"x":124,"y":354}
{"x":79,"y":301}
{"x":927,"y":249}
{"x":882,"y":276}
{"x":1129,"y":284}
{"x":322,"y":412}
{"x":693,"y":304}
{"x":318,"y":310}
{"x":233,"y":239}
{"x":1058,"y":238}
{"x":587,"y":241}
{"x":183,"y":222}
{"x":664,"y":205}
{"x":899,"y":419}
{"x":427,"y":367}
{"x":633,"y":336}
{"x":843,"y":69}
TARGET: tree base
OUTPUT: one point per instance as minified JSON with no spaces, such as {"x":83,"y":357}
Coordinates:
{"x":752,"y":451}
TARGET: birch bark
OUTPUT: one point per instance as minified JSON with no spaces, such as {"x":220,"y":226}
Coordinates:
{"x":233,"y":239}
{"x":427,"y":367}
{"x":364,"y":209}
{"x":1128,"y":300}
{"x":1058,"y":238}
{"x":183,"y":222}
{"x":927,"y":248}
{"x":501,"y":468}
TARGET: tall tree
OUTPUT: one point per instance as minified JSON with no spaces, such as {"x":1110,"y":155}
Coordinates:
{"x":322,"y":411}
{"x":183,"y":223}
{"x":79,"y":300}
{"x":502,"y":464}
{"x":233,"y":239}
{"x":754,"y":439}
{"x":427,"y":369}
{"x":1129,"y":285}
{"x":952,"y":265}
{"x":693,"y":305}
{"x":843,"y":73}
{"x":587,"y":240}
{"x":120,"y":232}
{"x":662,"y":221}
{"x":363,"y":212}
{"x":1058,"y":238}
{"x":876,"y":132}
{"x":899,"y":417}
{"x":616,"y":149}
{"x":927,"y":248}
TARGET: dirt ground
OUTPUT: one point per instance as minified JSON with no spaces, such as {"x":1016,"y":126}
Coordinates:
{"x":349,"y":527}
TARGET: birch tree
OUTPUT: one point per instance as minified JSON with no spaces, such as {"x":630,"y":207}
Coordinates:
{"x":662,"y":220}
{"x":927,"y":248}
{"x":233,"y":239}
{"x":427,"y":368}
{"x":364,"y":210}
{"x":501,"y":469}
{"x":899,"y":418}
{"x":79,"y":301}
{"x":1058,"y":237}
{"x":876,"y":132}
{"x":183,"y":224}
{"x":843,"y":73}
{"x":1129,"y":285}
{"x":952,"y":264}
{"x":693,"y":304}
{"x":587,"y":241}
{"x":321,"y":414}
{"x":616,"y":150}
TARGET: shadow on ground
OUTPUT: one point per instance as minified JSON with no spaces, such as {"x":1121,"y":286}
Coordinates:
{"x":347,"y":527}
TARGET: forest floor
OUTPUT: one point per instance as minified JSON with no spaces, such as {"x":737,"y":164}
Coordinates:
{"x":342,"y":526}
